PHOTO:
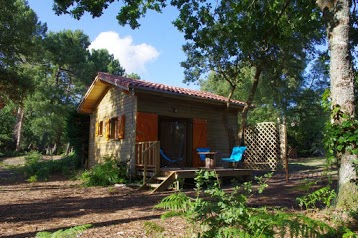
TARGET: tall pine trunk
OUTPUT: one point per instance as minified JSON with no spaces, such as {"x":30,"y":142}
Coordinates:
{"x":18,"y":128}
{"x":342,"y":91}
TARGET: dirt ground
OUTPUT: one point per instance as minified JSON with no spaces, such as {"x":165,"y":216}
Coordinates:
{"x":27,"y":208}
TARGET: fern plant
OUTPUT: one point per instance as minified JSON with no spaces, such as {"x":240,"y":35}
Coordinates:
{"x":108,"y":173}
{"x":322,"y":196}
{"x":222,"y":214}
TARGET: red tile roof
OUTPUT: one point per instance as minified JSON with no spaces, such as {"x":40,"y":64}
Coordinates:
{"x":128,"y":83}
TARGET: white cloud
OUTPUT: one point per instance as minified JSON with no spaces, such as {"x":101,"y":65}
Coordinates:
{"x":133,"y":58}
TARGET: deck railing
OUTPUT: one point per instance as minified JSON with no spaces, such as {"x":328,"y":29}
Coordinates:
{"x":147,"y":157}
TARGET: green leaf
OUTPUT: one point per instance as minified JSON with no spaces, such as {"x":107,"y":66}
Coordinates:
{"x":340,"y":147}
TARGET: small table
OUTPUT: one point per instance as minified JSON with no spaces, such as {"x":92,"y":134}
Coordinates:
{"x":209,"y":158}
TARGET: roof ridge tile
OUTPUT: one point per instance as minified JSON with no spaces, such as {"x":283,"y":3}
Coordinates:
{"x":135,"y":83}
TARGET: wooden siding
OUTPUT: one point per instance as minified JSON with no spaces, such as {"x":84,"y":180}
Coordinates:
{"x":172,"y":107}
{"x":115,"y":103}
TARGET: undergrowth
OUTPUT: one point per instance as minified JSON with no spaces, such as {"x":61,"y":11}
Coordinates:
{"x":107,"y":173}
{"x":67,"y":233}
{"x":321,"y":197}
{"x":152,"y":229}
{"x":222,"y":214}
{"x":36,"y":168}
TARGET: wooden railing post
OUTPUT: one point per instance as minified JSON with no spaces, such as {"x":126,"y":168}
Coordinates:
{"x":147,"y":155}
{"x":157,"y":157}
{"x":145,"y":168}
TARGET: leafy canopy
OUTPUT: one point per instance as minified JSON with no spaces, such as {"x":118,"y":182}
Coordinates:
{"x":20,"y":32}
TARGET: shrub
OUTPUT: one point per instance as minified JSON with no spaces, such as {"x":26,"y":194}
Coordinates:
{"x":108,"y":173}
{"x":32,"y":179}
{"x":40,"y":169}
{"x":34,"y":167}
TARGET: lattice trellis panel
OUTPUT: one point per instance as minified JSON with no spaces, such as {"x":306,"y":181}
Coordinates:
{"x":265,"y":147}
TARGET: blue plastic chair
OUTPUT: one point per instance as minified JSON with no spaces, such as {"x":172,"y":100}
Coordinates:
{"x":167,"y":158}
{"x":236,"y":154}
{"x":204,"y":149}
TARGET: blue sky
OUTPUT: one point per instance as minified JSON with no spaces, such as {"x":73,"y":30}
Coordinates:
{"x":153,"y":51}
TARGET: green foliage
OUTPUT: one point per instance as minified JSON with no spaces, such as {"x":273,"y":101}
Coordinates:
{"x":323,"y":196}
{"x":77,"y":133}
{"x":36,"y":168}
{"x":305,"y":116}
{"x":8,"y":119}
{"x":341,"y":137}
{"x":221,"y":214}
{"x":107,"y":173}
{"x":67,"y":69}
{"x":305,"y":185}
{"x":20,"y":31}
{"x":72,"y":232}
{"x":133,"y":76}
{"x":355,"y":163}
{"x":266,"y":109}
{"x":306,"y":121}
{"x":101,"y":61}
{"x":32,"y":179}
{"x":152,"y":229}
{"x":347,"y":233}
{"x":341,"y":140}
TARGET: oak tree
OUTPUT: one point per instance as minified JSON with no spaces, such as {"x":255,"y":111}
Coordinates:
{"x":338,"y":15}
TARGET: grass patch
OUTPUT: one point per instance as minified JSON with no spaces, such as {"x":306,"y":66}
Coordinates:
{"x":307,"y":164}
{"x":67,"y":233}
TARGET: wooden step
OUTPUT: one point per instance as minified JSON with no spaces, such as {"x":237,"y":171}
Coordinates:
{"x":166,"y":183}
{"x":153,"y":185}
{"x":160,"y":182}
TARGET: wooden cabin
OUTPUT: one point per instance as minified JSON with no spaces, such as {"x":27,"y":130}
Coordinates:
{"x":132,"y":119}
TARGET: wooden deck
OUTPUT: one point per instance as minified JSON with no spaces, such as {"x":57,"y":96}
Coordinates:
{"x":189,"y":172}
{"x":168,"y":176}
{"x":147,"y":165}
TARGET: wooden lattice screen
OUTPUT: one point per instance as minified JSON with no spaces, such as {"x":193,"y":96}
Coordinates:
{"x":266,"y":147}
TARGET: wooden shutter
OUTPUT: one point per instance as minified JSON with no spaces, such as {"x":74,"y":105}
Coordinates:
{"x":146,"y":127}
{"x":199,"y":140}
{"x":121,"y":126}
{"x":108,"y":129}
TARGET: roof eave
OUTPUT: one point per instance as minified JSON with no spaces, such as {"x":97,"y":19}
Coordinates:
{"x":97,"y":89}
{"x":175,"y":94}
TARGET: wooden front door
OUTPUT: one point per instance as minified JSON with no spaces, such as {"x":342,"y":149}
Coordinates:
{"x":199,"y":140}
{"x":146,"y":127}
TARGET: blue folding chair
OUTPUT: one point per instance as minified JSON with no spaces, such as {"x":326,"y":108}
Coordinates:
{"x":204,"y":149}
{"x":236,"y":154}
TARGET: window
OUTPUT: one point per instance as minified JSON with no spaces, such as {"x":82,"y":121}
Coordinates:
{"x":99,"y":128}
{"x":115,"y":128}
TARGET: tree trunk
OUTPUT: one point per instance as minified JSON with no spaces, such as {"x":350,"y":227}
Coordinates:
{"x":18,"y":128}
{"x":342,"y":91}
{"x":248,"y":104}
{"x":231,"y":135}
